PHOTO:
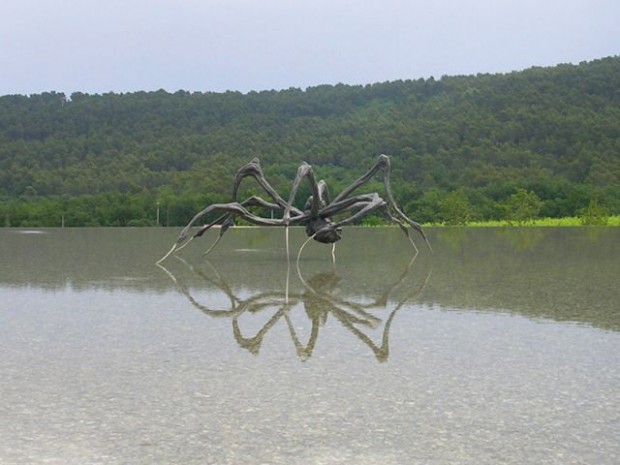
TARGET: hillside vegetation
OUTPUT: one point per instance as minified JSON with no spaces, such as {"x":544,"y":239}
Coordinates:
{"x":540,"y":142}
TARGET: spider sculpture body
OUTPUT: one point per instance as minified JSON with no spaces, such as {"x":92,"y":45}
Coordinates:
{"x":316,"y":216}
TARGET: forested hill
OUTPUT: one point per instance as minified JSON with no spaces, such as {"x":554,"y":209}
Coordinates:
{"x":468,"y":144}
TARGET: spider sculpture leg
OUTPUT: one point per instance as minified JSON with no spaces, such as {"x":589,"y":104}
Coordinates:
{"x":233,"y":208}
{"x":363,"y":205}
{"x":318,"y":226}
{"x":305,"y":170}
{"x":383,"y":164}
{"x":291,"y":213}
{"x":366,"y":204}
{"x":251,"y":169}
{"x":228,"y":220}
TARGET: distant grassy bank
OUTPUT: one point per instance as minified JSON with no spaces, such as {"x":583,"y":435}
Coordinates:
{"x":541,"y":222}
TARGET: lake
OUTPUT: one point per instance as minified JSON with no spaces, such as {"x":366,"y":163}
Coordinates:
{"x":500,"y":347}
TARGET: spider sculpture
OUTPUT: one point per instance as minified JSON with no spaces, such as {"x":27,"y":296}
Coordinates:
{"x":317,"y":214}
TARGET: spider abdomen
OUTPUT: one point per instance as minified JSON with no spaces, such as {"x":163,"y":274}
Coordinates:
{"x":323,"y":231}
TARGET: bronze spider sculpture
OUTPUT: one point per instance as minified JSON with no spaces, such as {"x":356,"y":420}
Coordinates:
{"x":317,"y":213}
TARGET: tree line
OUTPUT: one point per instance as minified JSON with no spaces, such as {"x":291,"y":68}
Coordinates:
{"x":540,"y":142}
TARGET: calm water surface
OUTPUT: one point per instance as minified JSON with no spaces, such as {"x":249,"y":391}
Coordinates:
{"x":502,"y":347}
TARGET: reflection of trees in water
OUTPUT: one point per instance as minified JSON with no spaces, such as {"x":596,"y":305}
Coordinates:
{"x":320,"y":298}
{"x":519,"y":239}
{"x":563,"y":274}
{"x":456,"y":238}
{"x":522,"y":239}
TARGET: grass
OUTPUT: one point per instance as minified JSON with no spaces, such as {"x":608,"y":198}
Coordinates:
{"x":539,"y":222}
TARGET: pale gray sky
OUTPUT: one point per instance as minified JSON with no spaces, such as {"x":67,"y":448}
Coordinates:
{"x":98,"y":46}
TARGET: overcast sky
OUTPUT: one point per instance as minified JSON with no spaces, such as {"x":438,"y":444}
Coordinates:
{"x":98,"y":46}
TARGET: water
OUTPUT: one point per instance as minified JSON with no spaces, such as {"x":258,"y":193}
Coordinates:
{"x":502,"y":347}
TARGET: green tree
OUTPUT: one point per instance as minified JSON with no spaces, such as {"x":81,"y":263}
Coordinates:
{"x":595,"y":214}
{"x":455,"y":208}
{"x":522,"y":206}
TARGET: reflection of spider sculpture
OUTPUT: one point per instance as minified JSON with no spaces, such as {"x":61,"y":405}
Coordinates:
{"x":319,"y":300}
{"x":317,"y":214}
